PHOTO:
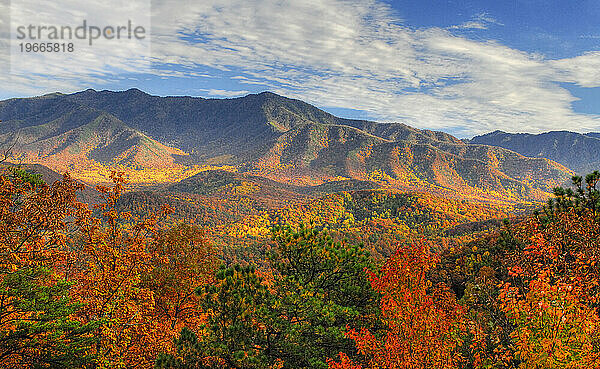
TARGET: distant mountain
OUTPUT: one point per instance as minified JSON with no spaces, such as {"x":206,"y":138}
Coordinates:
{"x":579,"y":152}
{"x":266,"y":135}
{"x":233,"y":130}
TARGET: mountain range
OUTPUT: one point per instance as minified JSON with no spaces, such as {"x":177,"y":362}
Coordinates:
{"x":579,"y":152}
{"x":269,"y":136}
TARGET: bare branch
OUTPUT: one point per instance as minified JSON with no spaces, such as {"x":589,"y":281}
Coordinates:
{"x":8,"y":153}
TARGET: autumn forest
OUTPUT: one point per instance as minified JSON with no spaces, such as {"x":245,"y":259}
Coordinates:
{"x":300,"y":240}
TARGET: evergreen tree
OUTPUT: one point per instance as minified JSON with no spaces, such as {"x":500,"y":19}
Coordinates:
{"x":322,"y":289}
{"x":319,"y":288}
{"x":583,"y":197}
{"x":36,"y":328}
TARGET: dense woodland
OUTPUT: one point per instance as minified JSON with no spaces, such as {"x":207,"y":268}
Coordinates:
{"x":102,"y":287}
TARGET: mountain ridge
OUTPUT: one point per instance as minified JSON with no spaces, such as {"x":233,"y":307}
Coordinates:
{"x":577,"y":151}
{"x":267,"y":135}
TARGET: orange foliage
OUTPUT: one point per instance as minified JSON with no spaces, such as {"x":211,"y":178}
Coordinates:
{"x":422,"y":322}
{"x":553,"y":329}
{"x":553,"y":299}
{"x":132,"y":277}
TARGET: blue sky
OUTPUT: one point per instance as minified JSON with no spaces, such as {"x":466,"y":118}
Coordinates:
{"x":464,"y":67}
{"x":555,"y":28}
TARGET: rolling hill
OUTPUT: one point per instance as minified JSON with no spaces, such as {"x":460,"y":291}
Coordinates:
{"x":238,"y":210}
{"x":88,"y":194}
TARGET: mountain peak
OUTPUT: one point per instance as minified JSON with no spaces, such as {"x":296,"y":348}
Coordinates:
{"x":268,"y":94}
{"x":135,"y":91}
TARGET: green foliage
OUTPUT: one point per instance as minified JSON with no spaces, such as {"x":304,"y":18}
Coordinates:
{"x":231,"y":337}
{"x":585,"y":196}
{"x":297,"y":321}
{"x":207,"y":183}
{"x":32,"y":178}
{"x":234,"y":306}
{"x":507,"y":240}
{"x":38,"y":331}
{"x":188,"y":352}
{"x":321,"y":289}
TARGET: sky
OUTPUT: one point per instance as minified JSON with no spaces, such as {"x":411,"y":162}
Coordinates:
{"x":463,"y":67}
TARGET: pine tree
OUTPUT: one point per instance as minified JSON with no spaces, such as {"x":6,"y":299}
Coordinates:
{"x":296,"y":320}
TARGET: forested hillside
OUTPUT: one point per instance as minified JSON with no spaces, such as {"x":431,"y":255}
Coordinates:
{"x":261,"y":232}
{"x":363,"y":279}
{"x":159,"y":140}
{"x":579,"y":152}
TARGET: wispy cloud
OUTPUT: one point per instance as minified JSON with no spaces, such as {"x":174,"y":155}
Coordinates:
{"x":358,"y":54}
{"x":583,"y":70}
{"x":479,"y":21}
{"x":80,"y":66}
{"x":225,"y":93}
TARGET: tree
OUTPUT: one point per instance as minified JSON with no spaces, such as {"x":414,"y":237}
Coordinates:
{"x":184,"y":260}
{"x":123,"y":278}
{"x":294,"y":320}
{"x":321,"y":288}
{"x":585,"y":196}
{"x":553,"y":329}
{"x":423,"y":324}
{"x":38,"y":327}
{"x":551,"y":295}
{"x":234,"y":335}
{"x":7,"y":153}
{"x":81,"y":286}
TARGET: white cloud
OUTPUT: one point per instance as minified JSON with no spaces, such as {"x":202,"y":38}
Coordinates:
{"x":583,"y":70}
{"x":470,"y":25}
{"x":84,"y":64}
{"x":479,"y":21}
{"x":225,"y":93}
{"x":358,"y":54}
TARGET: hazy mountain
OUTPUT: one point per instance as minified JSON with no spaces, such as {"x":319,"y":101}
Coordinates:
{"x":266,"y":135}
{"x":579,"y":152}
